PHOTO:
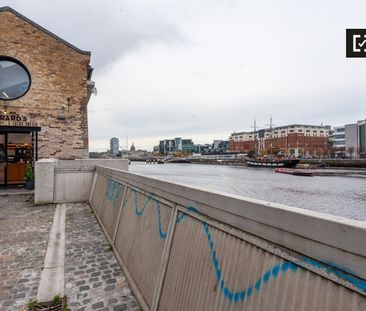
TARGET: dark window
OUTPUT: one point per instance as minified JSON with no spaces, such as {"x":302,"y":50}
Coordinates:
{"x":15,"y":79}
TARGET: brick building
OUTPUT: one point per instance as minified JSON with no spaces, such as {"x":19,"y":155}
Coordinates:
{"x":45,"y":87}
{"x":291,"y":140}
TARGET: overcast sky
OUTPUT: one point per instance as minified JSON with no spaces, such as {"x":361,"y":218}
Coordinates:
{"x":204,"y":69}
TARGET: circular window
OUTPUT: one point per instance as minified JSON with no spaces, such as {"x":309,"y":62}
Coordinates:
{"x":15,"y":79}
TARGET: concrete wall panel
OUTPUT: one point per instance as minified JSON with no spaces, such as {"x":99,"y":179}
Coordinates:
{"x":99,"y":189}
{"x":111,"y":205}
{"x":140,"y":239}
{"x":210,"y":269}
{"x":73,"y":186}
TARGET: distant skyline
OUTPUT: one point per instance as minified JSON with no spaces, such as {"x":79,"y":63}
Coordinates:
{"x":204,"y":69}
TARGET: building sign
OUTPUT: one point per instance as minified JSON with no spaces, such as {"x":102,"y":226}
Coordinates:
{"x":13,"y":117}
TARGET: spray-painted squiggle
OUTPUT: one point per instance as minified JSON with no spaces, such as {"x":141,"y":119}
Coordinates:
{"x":232,"y":295}
{"x":243,"y":294}
{"x":182,"y":216}
{"x":114,"y":191}
{"x":140,"y":212}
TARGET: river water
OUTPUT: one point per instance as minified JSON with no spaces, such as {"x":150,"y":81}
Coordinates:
{"x":340,"y":196}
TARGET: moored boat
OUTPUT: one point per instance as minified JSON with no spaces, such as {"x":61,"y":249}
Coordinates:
{"x":295,"y":171}
{"x":272,"y":163}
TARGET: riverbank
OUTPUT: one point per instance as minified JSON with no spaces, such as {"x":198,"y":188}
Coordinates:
{"x":335,"y":163}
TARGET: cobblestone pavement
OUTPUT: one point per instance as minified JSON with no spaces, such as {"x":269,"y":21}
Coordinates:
{"x":24,"y":231}
{"x":93,"y":278}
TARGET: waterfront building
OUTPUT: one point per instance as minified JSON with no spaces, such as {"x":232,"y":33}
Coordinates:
{"x":349,"y":141}
{"x":202,"y":148}
{"x":361,"y":148}
{"x":132,"y":149}
{"x":220,"y":146}
{"x":176,"y":144}
{"x":295,"y":140}
{"x":45,"y":86}
{"x":188,"y":146}
{"x":114,"y":146}
{"x":338,"y":139}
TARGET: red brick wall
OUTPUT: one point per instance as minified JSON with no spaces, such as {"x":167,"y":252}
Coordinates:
{"x":58,"y":72}
{"x":311,"y":145}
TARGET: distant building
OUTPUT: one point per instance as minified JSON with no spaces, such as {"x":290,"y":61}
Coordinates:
{"x":349,"y":141}
{"x":132,"y":149}
{"x":220,"y":146}
{"x":338,"y":139}
{"x":114,"y":146}
{"x":176,"y":144}
{"x":296,"y":140}
{"x":362,"y":139}
{"x":188,"y":145}
{"x":202,"y":148}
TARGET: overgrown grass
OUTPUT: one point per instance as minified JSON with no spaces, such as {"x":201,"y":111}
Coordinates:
{"x":31,"y":304}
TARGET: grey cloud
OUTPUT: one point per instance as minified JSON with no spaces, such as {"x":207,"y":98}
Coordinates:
{"x":191,"y":68}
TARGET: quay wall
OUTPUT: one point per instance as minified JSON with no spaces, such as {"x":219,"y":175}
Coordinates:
{"x":331,"y":163}
{"x":185,"y":248}
{"x":62,"y":181}
{"x":334,"y":163}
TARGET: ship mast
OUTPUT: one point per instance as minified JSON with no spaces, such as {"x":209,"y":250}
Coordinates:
{"x":255,"y":138}
{"x":270,"y":135}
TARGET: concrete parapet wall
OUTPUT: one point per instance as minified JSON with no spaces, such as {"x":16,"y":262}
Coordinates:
{"x":44,"y":181}
{"x":186,"y":248}
{"x":62,"y":181}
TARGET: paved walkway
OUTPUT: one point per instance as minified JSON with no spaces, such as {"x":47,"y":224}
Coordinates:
{"x":24,"y":231}
{"x":93,"y":279}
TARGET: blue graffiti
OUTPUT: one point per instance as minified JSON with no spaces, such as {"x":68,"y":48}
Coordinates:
{"x":183,"y":216}
{"x":114,"y":191}
{"x":231,"y":295}
{"x":243,"y":294}
{"x":246,"y":293}
{"x":140,"y":212}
